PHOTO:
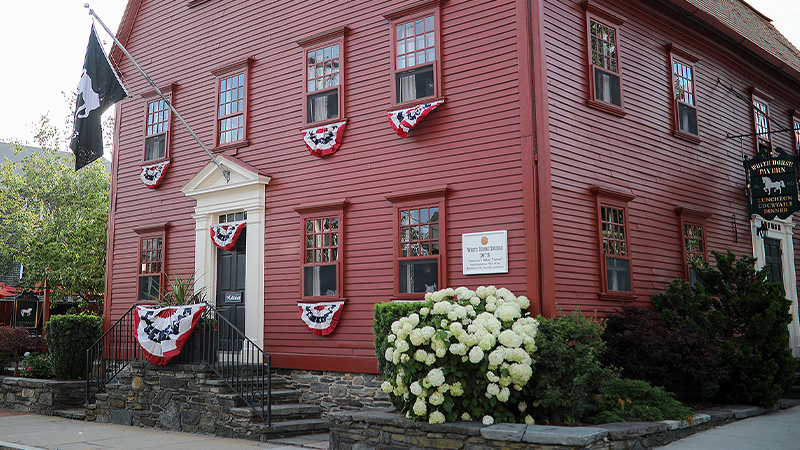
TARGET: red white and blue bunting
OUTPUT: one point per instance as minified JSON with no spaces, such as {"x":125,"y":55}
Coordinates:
{"x":325,"y":140}
{"x":403,"y":120}
{"x":225,"y":235}
{"x":320,"y":318}
{"x":153,"y":174}
{"x":162,"y":332}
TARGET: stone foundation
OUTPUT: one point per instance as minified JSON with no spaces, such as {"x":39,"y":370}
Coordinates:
{"x":337,"y":391}
{"x":40,"y":396}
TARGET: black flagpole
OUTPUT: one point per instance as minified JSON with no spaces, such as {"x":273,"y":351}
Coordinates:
{"x":225,"y":173}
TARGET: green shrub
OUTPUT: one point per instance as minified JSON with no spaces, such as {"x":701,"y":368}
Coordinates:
{"x":746,"y":317}
{"x":626,"y":400}
{"x":35,"y":365}
{"x":68,"y":337}
{"x":567,"y":371}
{"x":680,"y":359}
{"x":467,"y":354}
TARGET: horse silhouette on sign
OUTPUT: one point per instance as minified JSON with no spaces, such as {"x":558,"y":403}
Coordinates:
{"x":770,"y":185}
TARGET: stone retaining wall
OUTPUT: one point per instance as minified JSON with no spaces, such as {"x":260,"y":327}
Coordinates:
{"x":40,"y":396}
{"x":337,"y":391}
{"x":387,"y":430}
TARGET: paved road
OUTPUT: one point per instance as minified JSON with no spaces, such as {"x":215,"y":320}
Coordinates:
{"x":776,"y":431}
{"x":32,"y":431}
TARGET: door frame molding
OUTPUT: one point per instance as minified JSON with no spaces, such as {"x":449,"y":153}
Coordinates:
{"x":214,"y":196}
{"x":781,"y":230}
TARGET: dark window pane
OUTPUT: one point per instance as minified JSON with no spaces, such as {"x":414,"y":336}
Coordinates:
{"x":618,"y":273}
{"x":155,"y":147}
{"x":606,"y":87}
{"x":420,"y":275}
{"x":320,"y":280}
{"x":149,"y":287}
{"x":323,"y":106}
{"x":687,"y":118}
{"x":414,"y":84}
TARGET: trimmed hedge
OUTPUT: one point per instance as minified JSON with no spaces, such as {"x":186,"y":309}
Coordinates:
{"x":68,"y":338}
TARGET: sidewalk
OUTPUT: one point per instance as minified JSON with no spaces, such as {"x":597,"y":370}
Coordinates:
{"x":24,"y":431}
{"x":777,"y":431}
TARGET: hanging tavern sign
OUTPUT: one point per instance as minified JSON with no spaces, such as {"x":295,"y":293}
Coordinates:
{"x":773,"y":185}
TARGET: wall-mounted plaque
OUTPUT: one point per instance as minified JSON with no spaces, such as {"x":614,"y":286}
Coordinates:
{"x":234,"y":297}
{"x":484,"y":252}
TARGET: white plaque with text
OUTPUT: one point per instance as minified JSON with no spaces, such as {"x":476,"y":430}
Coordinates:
{"x":485,"y":252}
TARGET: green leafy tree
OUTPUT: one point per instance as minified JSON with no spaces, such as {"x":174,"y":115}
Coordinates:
{"x":54,"y":217}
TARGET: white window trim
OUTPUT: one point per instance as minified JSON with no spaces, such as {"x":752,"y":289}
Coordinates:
{"x":782,"y":231}
{"x":215,"y":196}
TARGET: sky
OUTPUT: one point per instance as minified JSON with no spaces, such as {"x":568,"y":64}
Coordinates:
{"x":43,"y":42}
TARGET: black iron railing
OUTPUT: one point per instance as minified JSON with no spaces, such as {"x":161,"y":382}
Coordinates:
{"x":215,"y":342}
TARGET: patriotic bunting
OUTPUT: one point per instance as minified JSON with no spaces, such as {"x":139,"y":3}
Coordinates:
{"x":320,"y":318}
{"x":162,"y":332}
{"x":403,"y":120}
{"x":225,"y":235}
{"x":323,"y":141}
{"x":153,"y":174}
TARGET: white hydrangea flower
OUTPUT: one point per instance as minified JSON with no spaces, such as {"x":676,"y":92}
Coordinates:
{"x":523,"y":302}
{"x":491,"y":299}
{"x":529,"y":420}
{"x":426,"y":383}
{"x":493,"y":377}
{"x":444,"y":388}
{"x":420,"y":407}
{"x":488,"y":420}
{"x":430,"y":359}
{"x":486,"y":341}
{"x":507,"y":312}
{"x":424,"y":311}
{"x":436,"y":417}
{"x":475,"y":300}
{"x":401,"y":345}
{"x":470,"y":311}
{"x":416,"y":337}
{"x":391,"y":338}
{"x":520,"y":373}
{"x":387,"y":387}
{"x":458,"y":349}
{"x":491,"y":307}
{"x":415,"y":388}
{"x":420,"y":355}
{"x":460,"y":290}
{"x":456,"y":389}
{"x":388,"y":353}
{"x":449,"y":292}
{"x":497,"y":357}
{"x":476,"y":355}
{"x":404,"y":358}
{"x":491,"y":290}
{"x":522,"y":406}
{"x":504,"y":381}
{"x":504,"y":394}
{"x":510,"y":339}
{"x":428,"y":332}
{"x":481,"y":292}
{"x":395,"y":326}
{"x":437,"y":296}
{"x":492,"y":390}
{"x":465,"y":416}
{"x":436,"y":377}
{"x":444,"y":324}
{"x":396,"y":357}
{"x":413,"y":319}
{"x":436,"y":398}
{"x":456,"y":328}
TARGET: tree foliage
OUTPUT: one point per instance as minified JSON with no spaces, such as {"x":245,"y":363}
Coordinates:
{"x":55,"y":217}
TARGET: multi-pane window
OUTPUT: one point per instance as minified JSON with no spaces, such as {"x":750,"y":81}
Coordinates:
{"x":231,"y":109}
{"x":694,"y":248}
{"x":151,"y":255}
{"x":683,"y":85}
{"x":761,"y":121}
{"x":233,"y":217}
{"x":321,"y":256}
{"x":419,"y":249}
{"x":615,"y":248}
{"x":416,"y":56}
{"x":157,"y":127}
{"x":603,"y":48}
{"x":796,"y":127}
{"x":323,"y":78}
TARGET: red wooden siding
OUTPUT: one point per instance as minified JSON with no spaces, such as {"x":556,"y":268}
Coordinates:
{"x":471,"y":143}
{"x":638,"y":151}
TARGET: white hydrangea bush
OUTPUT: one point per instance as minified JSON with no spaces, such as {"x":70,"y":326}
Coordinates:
{"x":463,"y":355}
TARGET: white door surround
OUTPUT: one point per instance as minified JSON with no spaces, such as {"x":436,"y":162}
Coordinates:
{"x":780,"y":230}
{"x":215,"y":196}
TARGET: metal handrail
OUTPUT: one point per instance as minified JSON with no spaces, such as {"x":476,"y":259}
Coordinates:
{"x":241,"y":364}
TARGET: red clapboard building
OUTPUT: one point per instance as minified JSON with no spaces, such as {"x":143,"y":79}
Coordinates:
{"x":377,"y":151}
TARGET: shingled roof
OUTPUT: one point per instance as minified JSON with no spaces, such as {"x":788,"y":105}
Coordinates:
{"x":744,"y":24}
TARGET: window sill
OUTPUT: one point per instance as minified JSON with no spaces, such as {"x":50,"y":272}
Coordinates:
{"x":413,"y":103}
{"x":323,"y":299}
{"x":687,"y":136}
{"x":231,"y":146}
{"x":621,"y":296}
{"x":408,"y":298}
{"x":151,"y":162}
{"x":607,"y":107}
{"x":323,"y":123}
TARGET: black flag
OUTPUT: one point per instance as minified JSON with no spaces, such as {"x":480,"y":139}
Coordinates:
{"x":99,"y":88}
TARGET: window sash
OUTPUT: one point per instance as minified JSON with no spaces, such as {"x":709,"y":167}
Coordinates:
{"x":796,"y":127}
{"x":761,"y":121}
{"x":232,"y":90}
{"x":321,"y":255}
{"x":415,"y":56}
{"x":157,"y":127}
{"x":151,"y":267}
{"x":615,"y":257}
